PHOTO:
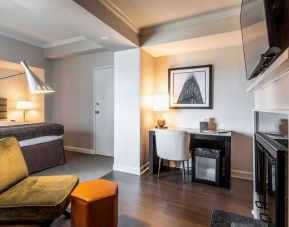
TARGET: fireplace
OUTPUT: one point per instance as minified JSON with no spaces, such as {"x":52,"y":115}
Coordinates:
{"x":271,"y":146}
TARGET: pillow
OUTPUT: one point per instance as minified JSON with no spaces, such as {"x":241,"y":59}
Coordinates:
{"x":12,"y":164}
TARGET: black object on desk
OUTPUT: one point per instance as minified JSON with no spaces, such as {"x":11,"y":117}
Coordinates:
{"x":212,"y":140}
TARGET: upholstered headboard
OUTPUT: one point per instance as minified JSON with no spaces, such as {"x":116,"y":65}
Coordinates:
{"x":3,"y":109}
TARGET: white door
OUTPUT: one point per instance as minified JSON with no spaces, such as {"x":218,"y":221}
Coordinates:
{"x":103,"y":111}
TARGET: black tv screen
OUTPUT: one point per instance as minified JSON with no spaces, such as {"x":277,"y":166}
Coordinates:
{"x":262,"y":25}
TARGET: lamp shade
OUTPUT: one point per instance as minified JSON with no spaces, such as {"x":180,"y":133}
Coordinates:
{"x":24,"y":105}
{"x":161,"y":102}
{"x":36,"y":86}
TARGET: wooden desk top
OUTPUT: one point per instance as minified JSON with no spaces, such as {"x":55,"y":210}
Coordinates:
{"x":222,"y":132}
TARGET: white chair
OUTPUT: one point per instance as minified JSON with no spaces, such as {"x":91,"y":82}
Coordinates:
{"x":173,"y":146}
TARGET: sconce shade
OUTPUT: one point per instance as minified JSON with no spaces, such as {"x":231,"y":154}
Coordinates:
{"x":161,"y":102}
{"x":24,"y":105}
{"x":36,"y":86}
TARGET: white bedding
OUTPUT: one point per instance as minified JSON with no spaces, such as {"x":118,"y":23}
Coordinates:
{"x":34,"y":141}
{"x":38,"y":140}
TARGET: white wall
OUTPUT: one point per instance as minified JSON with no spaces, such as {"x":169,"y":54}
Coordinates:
{"x":133,"y":116}
{"x":232,"y":105}
{"x":127,"y":111}
{"x":72,"y":104}
{"x":275,"y":96}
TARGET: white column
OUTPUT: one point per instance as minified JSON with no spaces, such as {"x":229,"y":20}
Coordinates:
{"x":127,"y":111}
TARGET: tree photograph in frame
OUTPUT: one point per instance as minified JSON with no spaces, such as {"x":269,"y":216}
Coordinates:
{"x":190,"y":87}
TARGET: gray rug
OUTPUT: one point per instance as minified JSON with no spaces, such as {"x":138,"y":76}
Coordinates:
{"x":86,"y":166}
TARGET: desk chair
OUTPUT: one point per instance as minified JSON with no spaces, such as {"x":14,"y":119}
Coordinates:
{"x":173,"y":146}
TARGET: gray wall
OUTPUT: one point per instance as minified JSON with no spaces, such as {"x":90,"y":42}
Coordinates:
{"x":72,"y":104}
{"x":14,"y":51}
{"x":232,"y":104}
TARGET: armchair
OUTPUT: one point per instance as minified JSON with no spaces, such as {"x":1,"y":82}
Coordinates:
{"x":29,"y":199}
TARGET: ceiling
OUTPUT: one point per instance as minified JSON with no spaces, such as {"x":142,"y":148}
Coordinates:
{"x":62,"y":25}
{"x":48,"y":23}
{"x":151,"y":12}
{"x":217,"y":41}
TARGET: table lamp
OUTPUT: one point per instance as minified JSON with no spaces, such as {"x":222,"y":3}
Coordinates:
{"x":24,"y":105}
{"x":161,"y":104}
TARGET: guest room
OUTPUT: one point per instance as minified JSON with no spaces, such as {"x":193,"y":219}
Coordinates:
{"x":114,"y":113}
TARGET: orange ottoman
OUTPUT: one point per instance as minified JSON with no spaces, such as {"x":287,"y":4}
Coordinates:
{"x":95,"y":204}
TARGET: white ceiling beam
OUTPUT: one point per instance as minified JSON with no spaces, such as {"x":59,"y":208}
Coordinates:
{"x":207,"y":24}
{"x":101,"y":11}
{"x":72,"y":49}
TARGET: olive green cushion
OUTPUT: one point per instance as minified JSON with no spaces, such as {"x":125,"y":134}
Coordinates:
{"x":37,"y":198}
{"x":12,"y":164}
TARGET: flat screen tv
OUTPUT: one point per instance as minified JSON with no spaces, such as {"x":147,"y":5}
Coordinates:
{"x":265,"y":33}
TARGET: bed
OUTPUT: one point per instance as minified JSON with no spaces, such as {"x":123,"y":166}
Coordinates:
{"x":41,"y":143}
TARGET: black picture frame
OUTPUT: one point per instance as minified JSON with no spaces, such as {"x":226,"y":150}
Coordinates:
{"x":203,"y":93}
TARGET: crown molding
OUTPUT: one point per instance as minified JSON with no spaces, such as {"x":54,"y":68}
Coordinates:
{"x":120,"y":14}
{"x":75,"y":48}
{"x":21,"y":39}
{"x":279,"y":69}
{"x":65,"y":41}
{"x":171,"y":26}
{"x":251,"y":5}
{"x":198,"y":19}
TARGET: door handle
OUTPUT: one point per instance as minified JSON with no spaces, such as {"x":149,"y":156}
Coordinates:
{"x":96,"y":112}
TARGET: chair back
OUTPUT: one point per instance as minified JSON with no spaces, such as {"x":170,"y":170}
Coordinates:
{"x":173,"y":145}
{"x":13,"y":167}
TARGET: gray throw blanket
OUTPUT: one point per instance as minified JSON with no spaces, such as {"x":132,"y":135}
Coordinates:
{"x":30,"y":131}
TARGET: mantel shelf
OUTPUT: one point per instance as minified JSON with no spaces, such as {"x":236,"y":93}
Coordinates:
{"x":278,"y":111}
{"x":275,"y":72}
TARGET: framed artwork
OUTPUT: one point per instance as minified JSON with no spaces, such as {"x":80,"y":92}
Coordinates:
{"x":191,"y":87}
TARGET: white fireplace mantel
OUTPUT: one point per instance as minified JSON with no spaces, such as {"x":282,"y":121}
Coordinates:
{"x":275,"y":72}
{"x":271,"y":93}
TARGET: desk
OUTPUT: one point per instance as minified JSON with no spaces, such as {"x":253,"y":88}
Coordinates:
{"x":220,"y":141}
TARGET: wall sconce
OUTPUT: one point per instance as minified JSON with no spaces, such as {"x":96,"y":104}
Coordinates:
{"x":36,"y":86}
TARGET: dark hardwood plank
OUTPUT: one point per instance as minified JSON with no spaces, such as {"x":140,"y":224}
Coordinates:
{"x":149,"y":201}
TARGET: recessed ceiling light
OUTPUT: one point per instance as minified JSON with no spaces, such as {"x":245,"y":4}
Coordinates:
{"x":104,"y":37}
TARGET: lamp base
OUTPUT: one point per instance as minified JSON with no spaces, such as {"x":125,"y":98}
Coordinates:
{"x":161,"y":123}
{"x":24,"y":115}
{"x":164,"y":127}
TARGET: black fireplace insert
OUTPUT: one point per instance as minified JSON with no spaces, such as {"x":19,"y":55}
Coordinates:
{"x":270,"y":177}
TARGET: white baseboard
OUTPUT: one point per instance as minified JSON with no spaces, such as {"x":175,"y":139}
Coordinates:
{"x":242,"y":174}
{"x":78,"y":149}
{"x":254,"y":214}
{"x":131,"y":170}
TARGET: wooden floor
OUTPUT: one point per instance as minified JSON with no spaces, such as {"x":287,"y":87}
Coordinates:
{"x":148,"y":201}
